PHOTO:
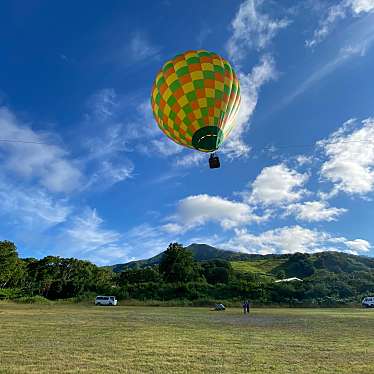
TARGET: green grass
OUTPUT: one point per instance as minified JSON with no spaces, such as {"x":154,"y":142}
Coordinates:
{"x":84,"y":338}
{"x":257,"y":266}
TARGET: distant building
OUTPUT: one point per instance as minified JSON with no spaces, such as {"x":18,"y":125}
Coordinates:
{"x":293,"y":279}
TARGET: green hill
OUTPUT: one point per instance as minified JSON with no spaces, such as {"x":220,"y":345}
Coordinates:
{"x":200,"y":252}
{"x":328,"y":278}
{"x":260,"y":266}
{"x":300,"y":265}
{"x":304,"y":265}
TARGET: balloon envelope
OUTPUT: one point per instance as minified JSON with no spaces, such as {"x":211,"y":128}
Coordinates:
{"x":195,"y":98}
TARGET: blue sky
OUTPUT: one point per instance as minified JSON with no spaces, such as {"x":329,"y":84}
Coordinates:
{"x":94,"y":178}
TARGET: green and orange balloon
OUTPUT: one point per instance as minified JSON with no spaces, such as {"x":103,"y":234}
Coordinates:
{"x":195,"y":99}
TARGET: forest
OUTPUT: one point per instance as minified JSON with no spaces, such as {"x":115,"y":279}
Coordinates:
{"x":328,"y":278}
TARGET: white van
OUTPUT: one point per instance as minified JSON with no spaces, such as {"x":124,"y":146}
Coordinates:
{"x":368,"y":302}
{"x":106,"y":300}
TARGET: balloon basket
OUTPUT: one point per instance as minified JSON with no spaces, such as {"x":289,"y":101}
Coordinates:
{"x":214,"y":161}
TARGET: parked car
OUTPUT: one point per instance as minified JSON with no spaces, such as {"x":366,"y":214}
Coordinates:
{"x":368,"y":302}
{"x":106,"y":300}
{"x":219,"y":307}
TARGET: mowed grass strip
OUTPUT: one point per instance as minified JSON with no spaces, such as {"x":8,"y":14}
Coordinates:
{"x":263,"y":267}
{"x":85,"y":338}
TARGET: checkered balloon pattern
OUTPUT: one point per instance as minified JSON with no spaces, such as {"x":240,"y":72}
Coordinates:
{"x":195,"y":98}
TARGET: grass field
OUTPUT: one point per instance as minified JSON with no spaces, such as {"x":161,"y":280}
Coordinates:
{"x":85,"y":338}
{"x":263,"y":267}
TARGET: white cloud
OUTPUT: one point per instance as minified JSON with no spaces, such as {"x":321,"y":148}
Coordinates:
{"x":337,"y":12}
{"x":354,"y":48}
{"x":303,"y":160}
{"x":250,"y":85}
{"x":166,"y":147}
{"x":351,"y":246}
{"x":144,"y":109}
{"x":362,"y":6}
{"x":277,"y":185}
{"x":103,"y":103}
{"x":194,"y":211}
{"x":358,"y":245}
{"x":46,"y":163}
{"x":173,"y":228}
{"x":31,"y":207}
{"x":107,"y":173}
{"x":334,"y":13}
{"x":145,"y":241}
{"x":350,"y":158}
{"x":85,"y":237}
{"x":251,"y":29}
{"x":192,"y":158}
{"x":281,"y":240}
{"x":354,"y":42}
{"x":109,"y":140}
{"x":314,"y":211}
{"x":86,"y":230}
{"x":291,"y":239}
{"x":118,"y":126}
{"x":31,"y":211}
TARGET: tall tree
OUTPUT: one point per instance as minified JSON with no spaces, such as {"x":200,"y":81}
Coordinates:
{"x":177,"y":264}
{"x":8,"y":262}
{"x":56,"y":277}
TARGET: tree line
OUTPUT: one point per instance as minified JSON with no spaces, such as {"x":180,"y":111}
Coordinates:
{"x":179,"y":276}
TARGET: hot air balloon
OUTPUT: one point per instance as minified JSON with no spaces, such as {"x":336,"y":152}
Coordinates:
{"x":195,"y":98}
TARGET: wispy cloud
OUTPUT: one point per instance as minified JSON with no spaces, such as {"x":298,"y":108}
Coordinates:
{"x":36,"y":157}
{"x":359,"y":38}
{"x":86,"y":229}
{"x":108,"y":173}
{"x":141,"y":49}
{"x":291,"y":239}
{"x":338,"y":12}
{"x":334,"y":13}
{"x":85,"y":236}
{"x":32,"y":208}
{"x":250,"y":85}
{"x":190,"y":158}
{"x":102,"y":104}
{"x":145,"y":240}
{"x":314,"y":211}
{"x":108,"y":139}
{"x":252,"y":29}
{"x":166,"y":147}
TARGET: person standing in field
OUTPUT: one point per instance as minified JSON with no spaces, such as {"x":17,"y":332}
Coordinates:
{"x":248,"y":305}
{"x":245,"y":307}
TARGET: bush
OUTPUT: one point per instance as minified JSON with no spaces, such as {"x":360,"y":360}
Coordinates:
{"x":10,"y":293}
{"x":33,"y":300}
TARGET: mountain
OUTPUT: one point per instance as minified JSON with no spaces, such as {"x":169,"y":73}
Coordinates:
{"x":204,"y":252}
{"x":200,"y":252}
{"x":290,"y":265}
